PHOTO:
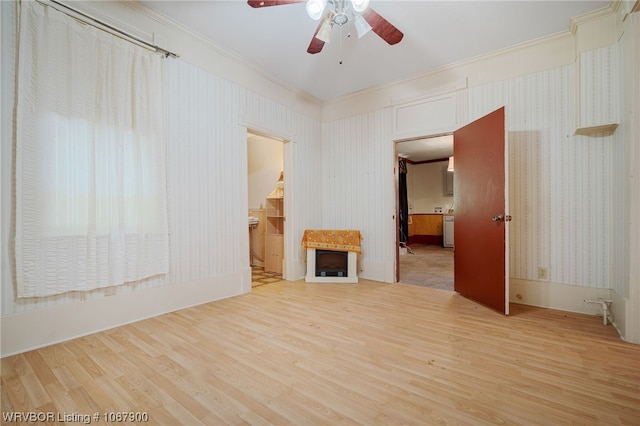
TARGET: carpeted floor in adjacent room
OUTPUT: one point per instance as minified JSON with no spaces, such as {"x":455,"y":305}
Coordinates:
{"x":427,"y":266}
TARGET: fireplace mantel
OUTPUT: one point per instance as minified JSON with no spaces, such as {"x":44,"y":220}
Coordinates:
{"x":336,"y":240}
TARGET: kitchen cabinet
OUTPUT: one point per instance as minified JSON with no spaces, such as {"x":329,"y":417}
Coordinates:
{"x":425,"y":228}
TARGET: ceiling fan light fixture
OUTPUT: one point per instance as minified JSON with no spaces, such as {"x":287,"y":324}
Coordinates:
{"x":362,"y":26}
{"x":315,"y":8}
{"x":340,"y":18}
{"x":325,"y":30}
{"x":359,"y":5}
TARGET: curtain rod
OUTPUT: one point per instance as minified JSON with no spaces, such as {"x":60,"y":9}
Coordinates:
{"x":92,"y":21}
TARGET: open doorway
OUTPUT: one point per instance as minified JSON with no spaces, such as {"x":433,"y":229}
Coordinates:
{"x":265,"y":180}
{"x":425,"y":212}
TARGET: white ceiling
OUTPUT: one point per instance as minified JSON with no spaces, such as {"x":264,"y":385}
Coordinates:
{"x":427,"y":149}
{"x":436,"y":33}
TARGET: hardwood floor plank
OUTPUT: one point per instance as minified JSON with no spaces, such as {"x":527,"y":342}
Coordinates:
{"x":15,"y":365}
{"x":120,"y":398}
{"x":35,"y":391}
{"x":66,"y":378}
{"x":182,"y":415}
{"x":56,"y":356}
{"x":79,"y":372}
{"x":60,"y":398}
{"x":96,"y":389}
{"x":14,"y":394}
{"x":84,"y":402}
{"x":40,"y":366}
{"x":143,"y":393}
{"x":293,"y":353}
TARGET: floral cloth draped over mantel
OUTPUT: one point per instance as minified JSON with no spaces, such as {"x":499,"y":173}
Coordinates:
{"x":332,"y":239}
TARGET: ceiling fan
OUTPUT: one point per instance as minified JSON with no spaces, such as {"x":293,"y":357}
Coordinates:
{"x":339,"y":12}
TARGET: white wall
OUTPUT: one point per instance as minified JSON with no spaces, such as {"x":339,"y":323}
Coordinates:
{"x":8,"y":17}
{"x":357,"y":193}
{"x":560,"y":183}
{"x":425,"y":187}
{"x":564,"y":188}
{"x":207,"y":121}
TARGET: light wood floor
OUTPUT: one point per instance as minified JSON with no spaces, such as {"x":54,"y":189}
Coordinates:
{"x":328,"y":354}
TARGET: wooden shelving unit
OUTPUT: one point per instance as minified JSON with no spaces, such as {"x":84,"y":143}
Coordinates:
{"x":274,"y":232}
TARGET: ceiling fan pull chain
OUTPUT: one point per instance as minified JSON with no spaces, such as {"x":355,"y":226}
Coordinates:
{"x":340,"y":45}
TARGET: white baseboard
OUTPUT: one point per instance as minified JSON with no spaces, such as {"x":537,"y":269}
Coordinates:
{"x":297,"y":271}
{"x":563,"y":297}
{"x":377,"y":271}
{"x":25,"y":331}
{"x":571,"y":298}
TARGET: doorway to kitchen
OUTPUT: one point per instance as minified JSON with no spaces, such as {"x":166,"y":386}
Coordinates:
{"x":425,"y":212}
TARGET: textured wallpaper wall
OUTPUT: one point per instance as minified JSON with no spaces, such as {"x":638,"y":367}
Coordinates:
{"x":560,"y":184}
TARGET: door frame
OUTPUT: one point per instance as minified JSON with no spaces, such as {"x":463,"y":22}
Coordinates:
{"x":397,"y":194}
{"x":287,"y":270}
{"x":506,"y":205}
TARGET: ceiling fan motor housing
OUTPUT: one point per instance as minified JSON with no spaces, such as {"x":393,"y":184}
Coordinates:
{"x":340,"y":18}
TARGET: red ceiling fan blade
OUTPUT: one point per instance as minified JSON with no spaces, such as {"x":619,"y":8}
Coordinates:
{"x":382,"y":27}
{"x":316,"y":44}
{"x":267,"y":3}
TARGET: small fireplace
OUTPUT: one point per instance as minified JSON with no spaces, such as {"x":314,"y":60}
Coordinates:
{"x":332,"y":255}
{"x":334,"y":266}
{"x":330,"y":263}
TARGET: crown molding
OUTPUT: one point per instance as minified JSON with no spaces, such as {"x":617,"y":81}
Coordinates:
{"x":634,"y":8}
{"x":576,"y":21}
{"x":216,"y":48}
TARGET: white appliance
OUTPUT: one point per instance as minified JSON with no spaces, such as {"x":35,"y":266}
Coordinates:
{"x":447,"y":231}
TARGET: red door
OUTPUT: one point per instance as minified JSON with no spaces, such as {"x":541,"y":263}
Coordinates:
{"x":481,"y":212}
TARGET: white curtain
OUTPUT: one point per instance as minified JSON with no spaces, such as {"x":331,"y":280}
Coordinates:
{"x":91,"y":207}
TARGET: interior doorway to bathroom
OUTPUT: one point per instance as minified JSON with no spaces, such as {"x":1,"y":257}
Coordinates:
{"x":265,"y":179}
{"x":425,"y":212}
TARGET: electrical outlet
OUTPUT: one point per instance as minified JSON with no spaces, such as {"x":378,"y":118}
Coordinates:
{"x":438,"y":210}
{"x":543,"y":273}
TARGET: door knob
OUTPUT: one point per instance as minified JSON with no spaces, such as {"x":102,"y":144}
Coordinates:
{"x":497,"y":218}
